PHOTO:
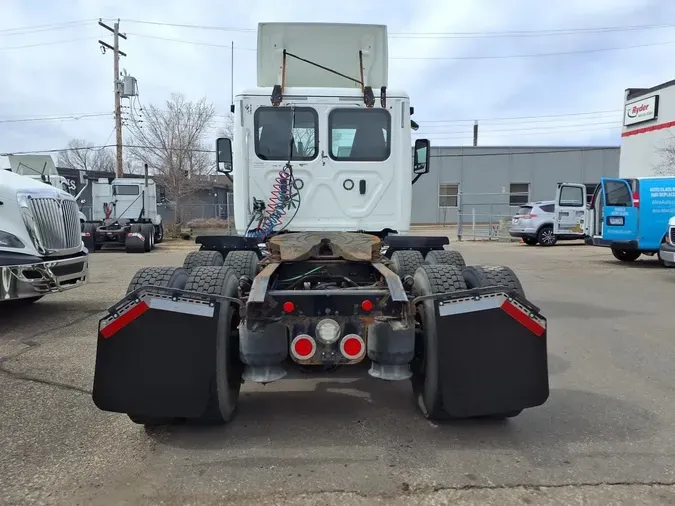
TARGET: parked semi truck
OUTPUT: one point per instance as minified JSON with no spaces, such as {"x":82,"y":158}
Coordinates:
{"x":41,"y":248}
{"x":124,"y":214}
{"x":322,"y":175}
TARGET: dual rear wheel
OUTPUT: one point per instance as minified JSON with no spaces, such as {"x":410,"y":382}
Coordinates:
{"x":433,"y":277}
{"x":225,"y":384}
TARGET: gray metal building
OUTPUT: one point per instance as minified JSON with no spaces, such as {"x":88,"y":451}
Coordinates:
{"x":484,"y":186}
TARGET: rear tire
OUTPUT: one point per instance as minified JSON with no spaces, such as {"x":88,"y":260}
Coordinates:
{"x":626,"y":255}
{"x":243,"y":263}
{"x":202,"y":258}
{"x":426,"y":384}
{"x":445,"y":257}
{"x":546,"y":237}
{"x":167,"y":277}
{"x":159,"y":233}
{"x":405,"y":262}
{"x":226,"y":384}
{"x":480,"y":276}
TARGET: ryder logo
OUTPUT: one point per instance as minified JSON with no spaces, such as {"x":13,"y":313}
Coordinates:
{"x":638,"y":111}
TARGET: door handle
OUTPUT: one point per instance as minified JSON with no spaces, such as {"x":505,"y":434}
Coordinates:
{"x":362,"y":186}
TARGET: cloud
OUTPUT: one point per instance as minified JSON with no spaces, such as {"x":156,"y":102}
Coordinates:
{"x":449,"y":79}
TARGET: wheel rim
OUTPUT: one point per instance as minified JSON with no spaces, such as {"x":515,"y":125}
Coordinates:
{"x":547,"y":237}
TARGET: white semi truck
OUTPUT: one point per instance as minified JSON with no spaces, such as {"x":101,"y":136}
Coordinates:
{"x":41,"y":248}
{"x":322,"y":174}
{"x":124,"y":214}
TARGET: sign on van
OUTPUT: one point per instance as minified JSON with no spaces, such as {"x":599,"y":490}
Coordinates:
{"x":641,"y":110}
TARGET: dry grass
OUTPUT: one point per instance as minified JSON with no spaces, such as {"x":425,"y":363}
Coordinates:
{"x":209,"y":223}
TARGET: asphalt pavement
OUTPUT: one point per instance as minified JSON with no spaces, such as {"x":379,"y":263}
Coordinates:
{"x":606,"y":434}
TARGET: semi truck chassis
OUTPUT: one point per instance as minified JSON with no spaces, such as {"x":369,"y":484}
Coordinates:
{"x":135,"y":236}
{"x":181,"y":342}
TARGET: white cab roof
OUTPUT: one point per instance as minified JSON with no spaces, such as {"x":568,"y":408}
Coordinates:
{"x":332,"y":45}
{"x":299,"y":92}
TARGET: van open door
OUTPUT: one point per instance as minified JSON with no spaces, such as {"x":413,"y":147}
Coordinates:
{"x":620,"y":216}
{"x":570,"y":209}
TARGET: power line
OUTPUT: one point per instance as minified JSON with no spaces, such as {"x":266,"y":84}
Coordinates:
{"x":509,"y":33}
{"x":532,"y":55}
{"x":133,"y":146}
{"x":50,"y":43}
{"x":447,"y":58}
{"x":43,"y":28}
{"x":476,"y":57}
{"x":70,"y":117}
{"x":560,"y":115}
{"x":516,"y":129}
{"x":442,"y":123}
{"x":467,"y":135}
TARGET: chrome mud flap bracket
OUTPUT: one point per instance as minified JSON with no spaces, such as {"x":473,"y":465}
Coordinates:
{"x":155,"y":353}
{"x":493,"y":352}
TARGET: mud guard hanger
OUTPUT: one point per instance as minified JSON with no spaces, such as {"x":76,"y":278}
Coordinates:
{"x":368,"y":96}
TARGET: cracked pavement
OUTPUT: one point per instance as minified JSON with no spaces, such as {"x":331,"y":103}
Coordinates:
{"x":605,"y":436}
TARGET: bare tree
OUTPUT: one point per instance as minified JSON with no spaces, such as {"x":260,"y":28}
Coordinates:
{"x":666,"y":165}
{"x":227,"y":129}
{"x":82,"y":155}
{"x":172,"y":141}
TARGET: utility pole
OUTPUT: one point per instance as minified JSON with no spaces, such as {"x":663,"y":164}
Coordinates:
{"x":116,"y":87}
{"x":475,"y":133}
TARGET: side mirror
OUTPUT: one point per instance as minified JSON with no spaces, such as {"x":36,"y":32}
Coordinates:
{"x":421,"y":157}
{"x":224,"y":155}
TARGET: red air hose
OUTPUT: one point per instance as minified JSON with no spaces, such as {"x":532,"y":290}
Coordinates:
{"x":107,"y":209}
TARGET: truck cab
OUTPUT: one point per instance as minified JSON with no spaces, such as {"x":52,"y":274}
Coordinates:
{"x":343,"y":148}
{"x":630,"y":215}
{"x":41,"y":248}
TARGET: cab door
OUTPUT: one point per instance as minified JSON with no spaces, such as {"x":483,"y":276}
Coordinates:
{"x":620,"y":216}
{"x":570,"y":209}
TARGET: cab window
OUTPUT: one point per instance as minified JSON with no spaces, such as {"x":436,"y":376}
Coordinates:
{"x":276,"y":126}
{"x":126,"y":189}
{"x":359,"y":135}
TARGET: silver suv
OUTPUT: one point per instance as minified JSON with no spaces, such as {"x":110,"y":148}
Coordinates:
{"x":533,"y":223}
{"x":536,"y":223}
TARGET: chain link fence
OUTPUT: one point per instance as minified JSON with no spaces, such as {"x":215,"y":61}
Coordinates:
{"x":487,"y":216}
{"x":188,"y":211}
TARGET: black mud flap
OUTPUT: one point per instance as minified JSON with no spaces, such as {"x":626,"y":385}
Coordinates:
{"x":155,"y":354}
{"x":492,"y":346}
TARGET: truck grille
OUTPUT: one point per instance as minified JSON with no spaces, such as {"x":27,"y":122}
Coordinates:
{"x":58,"y":223}
{"x":671,"y":231}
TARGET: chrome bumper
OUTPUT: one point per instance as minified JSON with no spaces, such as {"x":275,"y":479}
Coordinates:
{"x":35,"y":279}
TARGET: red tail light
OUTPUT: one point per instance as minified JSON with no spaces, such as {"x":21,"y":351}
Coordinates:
{"x":367,"y":305}
{"x":528,"y":216}
{"x":636,"y":199}
{"x":288,"y":307}
{"x":303,"y":347}
{"x":352,"y":347}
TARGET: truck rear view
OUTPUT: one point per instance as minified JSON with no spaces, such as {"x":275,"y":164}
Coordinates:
{"x":321,"y":278}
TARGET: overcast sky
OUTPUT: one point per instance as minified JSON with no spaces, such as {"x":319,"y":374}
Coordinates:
{"x":452,"y":78}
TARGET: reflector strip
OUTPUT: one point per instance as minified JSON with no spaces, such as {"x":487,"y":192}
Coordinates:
{"x":470,"y":305}
{"x":123,"y":320}
{"x":181,"y":307}
{"x":523,"y":318}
